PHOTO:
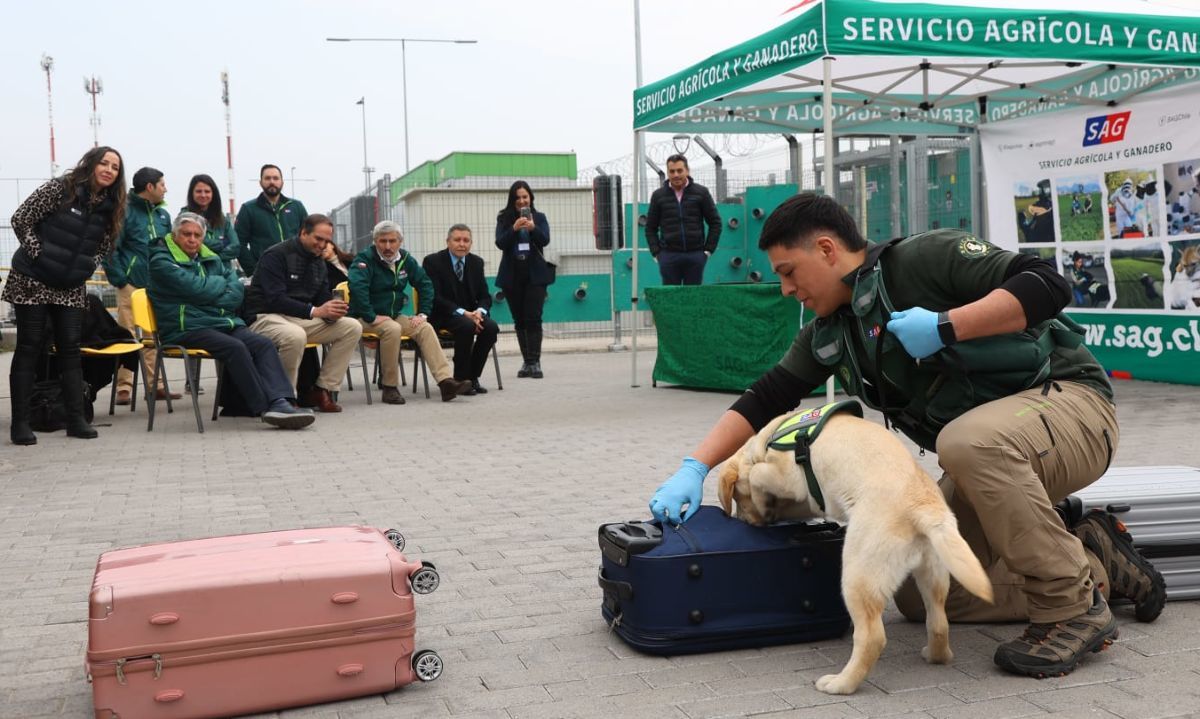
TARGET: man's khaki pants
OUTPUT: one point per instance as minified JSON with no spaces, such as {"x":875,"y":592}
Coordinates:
{"x":125,"y":319}
{"x":290,"y":334}
{"x":424,"y":335}
{"x":1006,"y":463}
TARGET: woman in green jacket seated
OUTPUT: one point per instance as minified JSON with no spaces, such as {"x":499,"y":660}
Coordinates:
{"x":196,"y":298}
{"x":204,"y":199}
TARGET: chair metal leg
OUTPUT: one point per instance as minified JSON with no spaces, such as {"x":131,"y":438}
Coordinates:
{"x":496,"y":363}
{"x":403,"y":378}
{"x":362,"y":359}
{"x":133,"y":388}
{"x":112,"y":393}
{"x":220,"y":382}
{"x":151,"y":402}
{"x":194,"y":384}
{"x":419,"y":360}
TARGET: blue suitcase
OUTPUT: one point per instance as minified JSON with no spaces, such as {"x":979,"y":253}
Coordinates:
{"x":716,"y":583}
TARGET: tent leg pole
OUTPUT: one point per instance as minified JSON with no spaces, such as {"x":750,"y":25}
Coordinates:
{"x":830,"y":184}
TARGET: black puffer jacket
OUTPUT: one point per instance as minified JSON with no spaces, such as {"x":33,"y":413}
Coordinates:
{"x":679,"y":226}
{"x":289,"y":280}
{"x":70,"y":239}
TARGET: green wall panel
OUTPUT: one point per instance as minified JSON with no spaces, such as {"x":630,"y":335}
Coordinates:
{"x":561,"y":303}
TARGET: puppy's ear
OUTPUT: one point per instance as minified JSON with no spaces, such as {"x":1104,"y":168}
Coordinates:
{"x":728,"y":480}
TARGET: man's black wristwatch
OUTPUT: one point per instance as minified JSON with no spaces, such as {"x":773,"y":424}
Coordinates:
{"x":945,"y":329}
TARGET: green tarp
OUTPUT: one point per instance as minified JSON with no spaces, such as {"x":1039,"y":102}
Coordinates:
{"x":720,"y":336}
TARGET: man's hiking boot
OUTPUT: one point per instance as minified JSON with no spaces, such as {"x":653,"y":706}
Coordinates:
{"x":1130,"y":575}
{"x":1054,"y":650}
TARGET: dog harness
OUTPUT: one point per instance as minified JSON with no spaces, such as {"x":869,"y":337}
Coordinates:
{"x":798,"y":432}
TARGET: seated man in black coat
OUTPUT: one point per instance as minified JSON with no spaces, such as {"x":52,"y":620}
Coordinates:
{"x":461,"y":304}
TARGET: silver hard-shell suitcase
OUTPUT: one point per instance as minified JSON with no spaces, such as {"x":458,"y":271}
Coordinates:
{"x":1160,"y":506}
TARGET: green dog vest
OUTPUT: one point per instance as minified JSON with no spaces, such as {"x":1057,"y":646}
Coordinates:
{"x":798,"y":432}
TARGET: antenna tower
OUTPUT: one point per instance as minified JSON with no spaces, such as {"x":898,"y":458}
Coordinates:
{"x":48,"y":66}
{"x":228,"y":135}
{"x":94,"y":87}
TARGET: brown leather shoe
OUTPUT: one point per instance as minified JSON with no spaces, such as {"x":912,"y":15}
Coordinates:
{"x":124,"y":397}
{"x":452,"y":388}
{"x":319,"y":399}
{"x":391,"y":395}
{"x":162,"y":394}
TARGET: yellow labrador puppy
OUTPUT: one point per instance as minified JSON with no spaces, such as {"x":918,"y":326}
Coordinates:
{"x":898,"y":523}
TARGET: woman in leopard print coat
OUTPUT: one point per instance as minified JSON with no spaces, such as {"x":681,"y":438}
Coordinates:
{"x":63,"y":228}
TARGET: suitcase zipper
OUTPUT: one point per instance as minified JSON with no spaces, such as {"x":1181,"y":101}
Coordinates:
{"x":283,"y":645}
{"x":158,"y":663}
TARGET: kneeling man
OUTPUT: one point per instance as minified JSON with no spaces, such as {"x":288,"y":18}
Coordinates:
{"x":379,"y":280}
{"x":290,"y":302}
{"x":196,"y":298}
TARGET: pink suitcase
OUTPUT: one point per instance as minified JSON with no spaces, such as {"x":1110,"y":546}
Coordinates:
{"x":256,"y":622}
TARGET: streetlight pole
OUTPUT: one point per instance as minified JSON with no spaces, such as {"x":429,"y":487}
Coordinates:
{"x":403,"y":73}
{"x":366,"y":166}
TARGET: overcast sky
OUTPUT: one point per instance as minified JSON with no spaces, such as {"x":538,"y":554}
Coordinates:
{"x":545,"y":76}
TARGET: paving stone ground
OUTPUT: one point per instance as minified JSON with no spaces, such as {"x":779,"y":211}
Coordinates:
{"x":504,"y":493}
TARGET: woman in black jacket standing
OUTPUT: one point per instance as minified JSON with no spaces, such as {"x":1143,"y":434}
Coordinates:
{"x":521,"y":234}
{"x":63,"y":228}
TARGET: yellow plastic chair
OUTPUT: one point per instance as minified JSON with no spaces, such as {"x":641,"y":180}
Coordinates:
{"x":343,"y":289}
{"x":117,"y":350}
{"x":143,"y":317}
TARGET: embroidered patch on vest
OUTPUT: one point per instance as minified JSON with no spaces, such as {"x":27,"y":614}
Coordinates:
{"x":972,"y":248}
{"x":829,"y":350}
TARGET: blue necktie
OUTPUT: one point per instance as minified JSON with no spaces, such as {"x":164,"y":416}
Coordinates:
{"x":458,"y":268}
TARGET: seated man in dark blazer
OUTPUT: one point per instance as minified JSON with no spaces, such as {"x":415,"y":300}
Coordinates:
{"x":461,"y":304}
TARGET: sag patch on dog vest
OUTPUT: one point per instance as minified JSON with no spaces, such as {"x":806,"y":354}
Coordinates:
{"x":798,"y":432}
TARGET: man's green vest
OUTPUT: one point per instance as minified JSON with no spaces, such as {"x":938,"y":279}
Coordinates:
{"x":922,"y":396}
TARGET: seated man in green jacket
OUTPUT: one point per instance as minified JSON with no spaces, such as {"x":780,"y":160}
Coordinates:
{"x":379,"y":279}
{"x":196,"y":297}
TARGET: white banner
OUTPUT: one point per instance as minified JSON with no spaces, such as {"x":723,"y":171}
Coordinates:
{"x":1112,"y":195}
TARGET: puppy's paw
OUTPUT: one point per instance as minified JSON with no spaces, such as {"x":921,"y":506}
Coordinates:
{"x":937,"y":655}
{"x":836,"y":684}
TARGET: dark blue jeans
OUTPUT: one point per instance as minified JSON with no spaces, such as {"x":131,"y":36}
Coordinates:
{"x":251,"y":361}
{"x":682,"y":268}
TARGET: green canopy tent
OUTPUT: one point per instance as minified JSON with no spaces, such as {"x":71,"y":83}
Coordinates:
{"x":884,"y":67}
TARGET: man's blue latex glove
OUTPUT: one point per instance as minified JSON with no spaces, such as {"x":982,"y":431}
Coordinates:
{"x":917,"y":331}
{"x":686,"y":486}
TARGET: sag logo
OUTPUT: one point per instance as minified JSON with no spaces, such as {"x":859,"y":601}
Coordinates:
{"x":1105,"y":128}
{"x":971,"y":248}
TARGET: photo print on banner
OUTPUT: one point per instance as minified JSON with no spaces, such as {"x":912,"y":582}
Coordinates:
{"x":1132,"y":203}
{"x":1181,"y":190}
{"x":1137,"y":270}
{"x":1086,"y":269}
{"x":1035,"y":211}
{"x":1183,"y":288}
{"x":1080,"y":208}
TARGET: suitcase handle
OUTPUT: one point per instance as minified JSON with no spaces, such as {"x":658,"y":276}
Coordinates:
{"x":621,"y":590}
{"x":620,"y":540}
{"x":170,"y":695}
{"x":349,"y":670}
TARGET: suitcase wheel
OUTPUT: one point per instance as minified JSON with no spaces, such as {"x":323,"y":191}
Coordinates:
{"x":396,"y":538}
{"x":427,"y":665}
{"x":424,"y":581}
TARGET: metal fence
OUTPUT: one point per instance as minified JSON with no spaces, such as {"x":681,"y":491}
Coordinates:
{"x":891,"y":187}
